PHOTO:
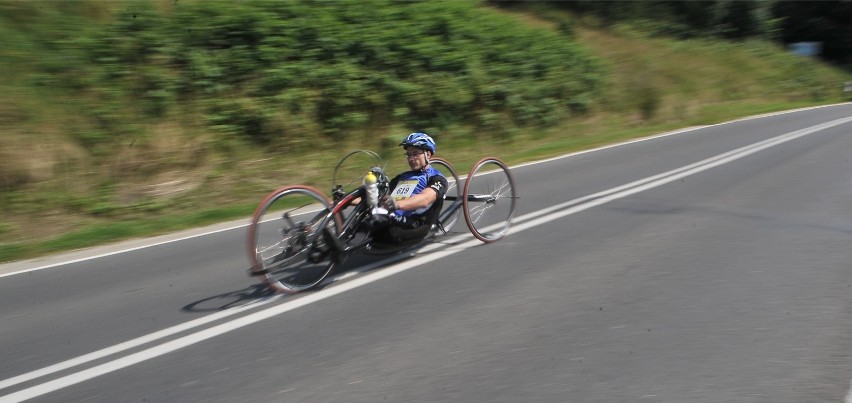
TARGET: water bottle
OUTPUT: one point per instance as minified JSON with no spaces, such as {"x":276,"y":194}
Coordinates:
{"x":372,"y":189}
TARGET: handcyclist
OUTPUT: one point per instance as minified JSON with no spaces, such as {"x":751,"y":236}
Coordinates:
{"x":415,"y":197}
{"x":408,"y":211}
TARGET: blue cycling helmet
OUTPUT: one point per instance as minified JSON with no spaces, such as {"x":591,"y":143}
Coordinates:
{"x":421,"y":141}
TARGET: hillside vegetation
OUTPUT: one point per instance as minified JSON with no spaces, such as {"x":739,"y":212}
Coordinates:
{"x":130,"y":118}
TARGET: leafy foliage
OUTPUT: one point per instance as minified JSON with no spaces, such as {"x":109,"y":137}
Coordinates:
{"x":827,"y":22}
{"x":344,"y":65}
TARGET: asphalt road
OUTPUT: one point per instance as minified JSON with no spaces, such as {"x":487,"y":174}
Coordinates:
{"x":709,"y":265}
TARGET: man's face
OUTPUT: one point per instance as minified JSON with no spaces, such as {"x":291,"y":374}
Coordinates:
{"x":416,"y":158}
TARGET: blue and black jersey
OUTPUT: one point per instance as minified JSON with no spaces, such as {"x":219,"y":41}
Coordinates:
{"x":410,"y":183}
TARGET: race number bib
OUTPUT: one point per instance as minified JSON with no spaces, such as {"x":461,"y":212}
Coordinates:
{"x":404,"y":189}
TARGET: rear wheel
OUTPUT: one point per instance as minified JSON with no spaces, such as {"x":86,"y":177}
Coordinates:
{"x":489,"y":199}
{"x":448,"y":217}
{"x":285,"y":243}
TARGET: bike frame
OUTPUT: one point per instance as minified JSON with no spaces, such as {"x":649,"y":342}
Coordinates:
{"x":353,"y":219}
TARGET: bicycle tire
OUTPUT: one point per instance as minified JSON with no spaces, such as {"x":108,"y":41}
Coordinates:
{"x":281,"y":238}
{"x":489,"y":199}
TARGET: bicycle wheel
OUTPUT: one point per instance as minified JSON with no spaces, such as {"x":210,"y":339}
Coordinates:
{"x":449,"y":213}
{"x":489,"y":199}
{"x":282,"y":239}
{"x":350,"y":170}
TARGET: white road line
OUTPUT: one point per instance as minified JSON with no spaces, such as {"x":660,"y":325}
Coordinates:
{"x":672,"y":133}
{"x":139,"y":341}
{"x":120,"y":251}
{"x":848,"y":394}
{"x":675,"y":174}
{"x":525,"y":222}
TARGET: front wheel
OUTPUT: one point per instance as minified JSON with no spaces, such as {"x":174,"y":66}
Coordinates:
{"x":285,"y":245}
{"x":489,"y":199}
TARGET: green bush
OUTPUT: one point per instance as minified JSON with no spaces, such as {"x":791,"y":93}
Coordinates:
{"x":343,"y":64}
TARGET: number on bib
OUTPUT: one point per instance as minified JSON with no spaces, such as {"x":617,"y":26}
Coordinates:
{"x":404,"y":189}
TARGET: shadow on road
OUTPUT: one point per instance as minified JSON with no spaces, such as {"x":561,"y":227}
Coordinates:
{"x":356,"y":263}
{"x":229,"y":300}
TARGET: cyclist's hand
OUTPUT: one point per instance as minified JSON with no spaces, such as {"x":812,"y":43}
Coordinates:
{"x":389,"y":203}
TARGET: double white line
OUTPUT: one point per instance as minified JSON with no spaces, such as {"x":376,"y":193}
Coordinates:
{"x":583,"y":203}
{"x":428,"y":254}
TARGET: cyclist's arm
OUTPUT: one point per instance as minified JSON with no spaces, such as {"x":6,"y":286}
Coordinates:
{"x":418,"y":201}
{"x":435,"y":190}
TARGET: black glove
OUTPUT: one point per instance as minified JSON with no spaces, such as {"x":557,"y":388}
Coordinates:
{"x":388,"y":203}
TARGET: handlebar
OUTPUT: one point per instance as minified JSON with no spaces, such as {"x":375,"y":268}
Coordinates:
{"x":337,"y":192}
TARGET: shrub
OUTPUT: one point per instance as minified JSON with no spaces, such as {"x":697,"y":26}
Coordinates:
{"x":445,"y":62}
